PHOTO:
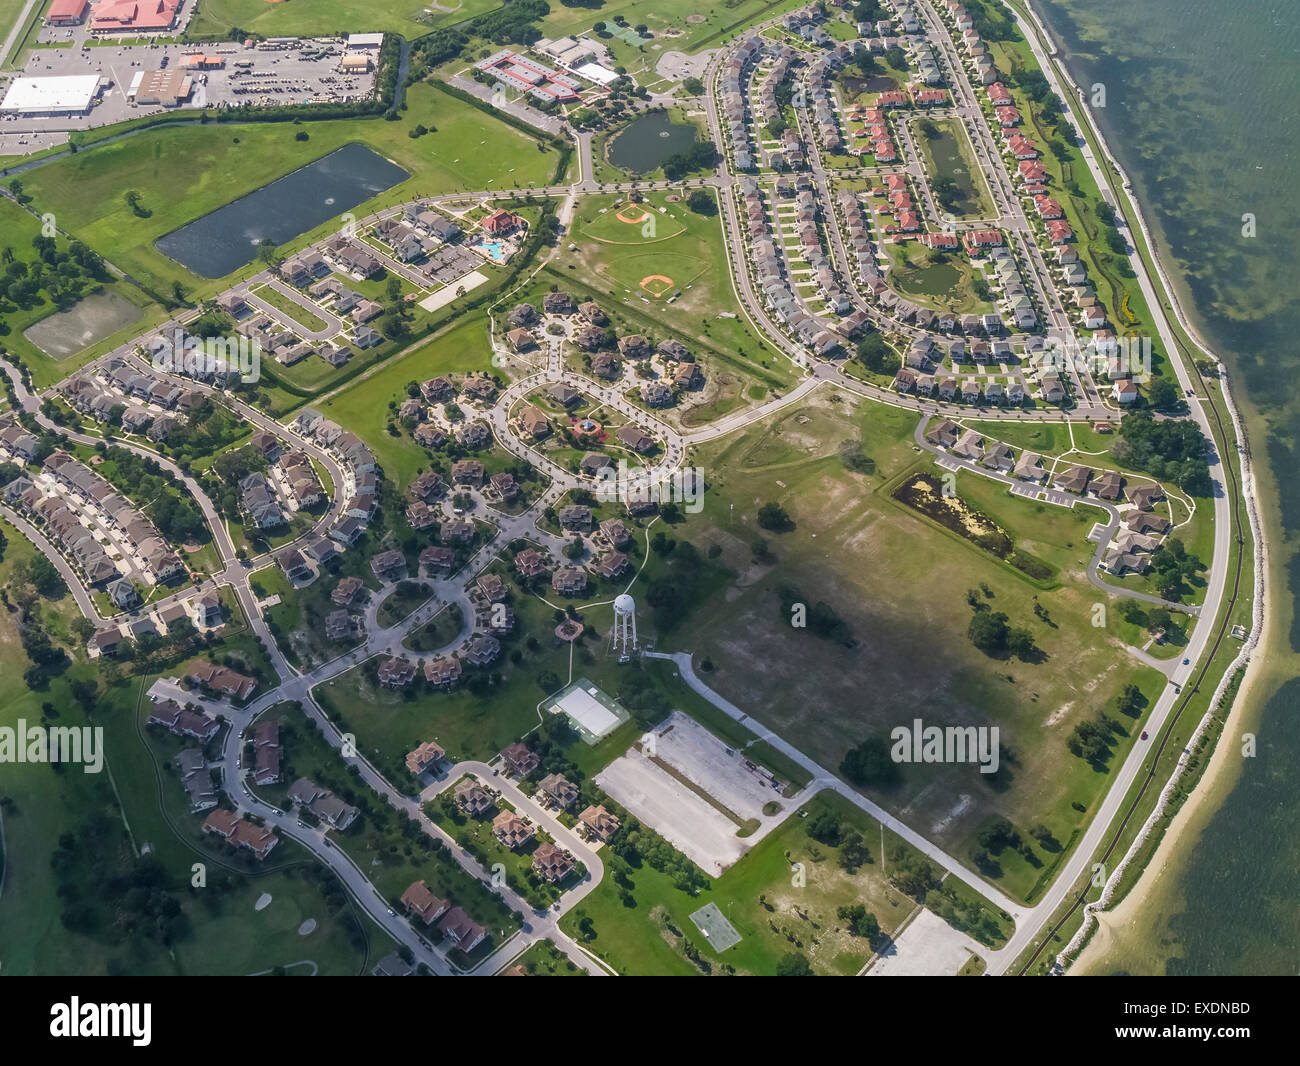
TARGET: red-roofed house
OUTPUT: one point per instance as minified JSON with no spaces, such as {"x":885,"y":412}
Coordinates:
{"x":1007,"y":116}
{"x":66,"y":12}
{"x":1059,"y":231}
{"x":982,"y":238}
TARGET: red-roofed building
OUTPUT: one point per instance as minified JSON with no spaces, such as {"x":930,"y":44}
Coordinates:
{"x":1021,"y":146}
{"x":116,"y":16}
{"x":1058,"y":231}
{"x":892,"y":99}
{"x":1007,"y":116}
{"x":930,"y":97}
{"x":1032,"y":172}
{"x":896,"y":182}
{"x":982,"y":238}
{"x":939,"y":240}
{"x":501,"y":221}
{"x":999,"y":94}
{"x":1047,"y":207}
{"x":66,"y":12}
{"x":908,"y":222}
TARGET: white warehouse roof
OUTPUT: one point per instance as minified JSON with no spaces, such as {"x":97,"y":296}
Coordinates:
{"x":365,"y":40}
{"x":47,"y":95}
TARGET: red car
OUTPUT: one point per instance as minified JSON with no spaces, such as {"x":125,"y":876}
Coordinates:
{"x":1144,"y":734}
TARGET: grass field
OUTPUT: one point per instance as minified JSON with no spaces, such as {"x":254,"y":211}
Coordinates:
{"x":305,"y":18}
{"x":899,"y":582}
{"x":226,"y":161}
{"x":945,"y":284}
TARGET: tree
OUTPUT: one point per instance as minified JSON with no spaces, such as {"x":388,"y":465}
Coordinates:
{"x":772,"y":516}
{"x":1163,"y":395}
{"x":794,"y":964}
{"x":988,"y":631}
{"x":701,"y":202}
{"x":870,"y":765}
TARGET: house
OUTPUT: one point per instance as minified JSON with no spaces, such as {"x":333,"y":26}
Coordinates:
{"x":557,"y":303}
{"x":533,"y":422}
{"x":501,"y":222}
{"x":1141,"y":522}
{"x":1144,"y":497}
{"x":575,"y":516}
{"x":467,"y":472}
{"x":1108,"y":485}
{"x":552,"y":863}
{"x":123,"y":594}
{"x":529,"y":563}
{"x":481,"y":650}
{"x":998,"y":456}
{"x":1121,"y":563}
{"x":421,"y":903}
{"x":266,"y":752}
{"x":104,"y":642}
{"x":222,"y":680}
{"x":397,"y":672}
{"x":442,"y":672}
{"x":944,"y":434}
{"x":426,"y":755}
{"x":346,"y":591}
{"x":1126,"y":390}
{"x":181,"y":722}
{"x":471,"y":797}
{"x":1075,"y":479}
{"x":559,"y":790}
{"x":340,"y":626}
{"x":194,"y":775}
{"x":599,"y":823}
{"x":565,"y":395}
{"x":492,"y":587}
{"x":504,"y":486}
{"x":461,"y":930}
{"x":970,"y":445}
{"x":519,"y":760}
{"x":569,"y":581}
{"x":322,"y":803}
{"x":293,"y":565}
{"x":389,"y":565}
{"x":240,"y":832}
{"x":635,"y":438}
{"x":511,"y":830}
{"x":393,"y":965}
{"x":1029,"y":467}
{"x":437,"y":559}
{"x":521,"y":340}
{"x":610,"y":565}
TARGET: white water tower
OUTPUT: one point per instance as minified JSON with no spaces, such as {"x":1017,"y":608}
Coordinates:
{"x":622,"y":640}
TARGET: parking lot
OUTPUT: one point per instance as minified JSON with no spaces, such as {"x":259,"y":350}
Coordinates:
{"x":261,"y":76}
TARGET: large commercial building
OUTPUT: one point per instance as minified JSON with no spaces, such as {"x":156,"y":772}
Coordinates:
{"x":170,"y":88}
{"x":134,"y":16}
{"x":51,"y":97}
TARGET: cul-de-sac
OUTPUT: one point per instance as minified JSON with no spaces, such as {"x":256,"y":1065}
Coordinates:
{"x":624,"y":488}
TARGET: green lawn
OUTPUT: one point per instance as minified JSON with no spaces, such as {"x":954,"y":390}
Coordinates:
{"x":225,"y":161}
{"x":950,"y":158}
{"x":899,"y":583}
{"x":301,"y":18}
{"x":945,"y":281}
{"x":647,"y":932}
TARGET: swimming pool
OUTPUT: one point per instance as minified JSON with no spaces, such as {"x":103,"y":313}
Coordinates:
{"x":494,"y":250}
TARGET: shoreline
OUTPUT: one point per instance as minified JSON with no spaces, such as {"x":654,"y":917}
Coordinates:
{"x":1094,"y":940}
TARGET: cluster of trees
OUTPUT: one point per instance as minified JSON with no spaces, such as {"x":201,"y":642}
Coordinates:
{"x":992,"y":632}
{"x":1172,"y":566}
{"x":772,"y":516}
{"x":870,"y":765}
{"x":107,"y":894}
{"x":1171,"y":449}
{"x":877,"y":356}
{"x":1157,"y":619}
{"x":170,"y":509}
{"x":700,"y":156}
{"x":826,"y":828}
{"x":513,"y":23}
{"x":670,"y":595}
{"x":635,"y":844}
{"x":1092,"y":739}
{"x":819,"y":618}
{"x":63,"y":276}
{"x":701,"y":202}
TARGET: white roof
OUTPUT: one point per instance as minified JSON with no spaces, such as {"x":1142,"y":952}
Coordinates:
{"x":365,"y":40}
{"x":70,"y":93}
{"x":595,"y":72}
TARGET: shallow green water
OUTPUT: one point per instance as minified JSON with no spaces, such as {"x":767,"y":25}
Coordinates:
{"x":1203,"y":112}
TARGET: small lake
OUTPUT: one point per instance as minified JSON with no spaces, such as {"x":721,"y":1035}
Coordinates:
{"x":227,"y":238}
{"x":648,"y":141}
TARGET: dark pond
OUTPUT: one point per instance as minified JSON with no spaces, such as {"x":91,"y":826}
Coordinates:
{"x":227,"y":238}
{"x":648,"y":141}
